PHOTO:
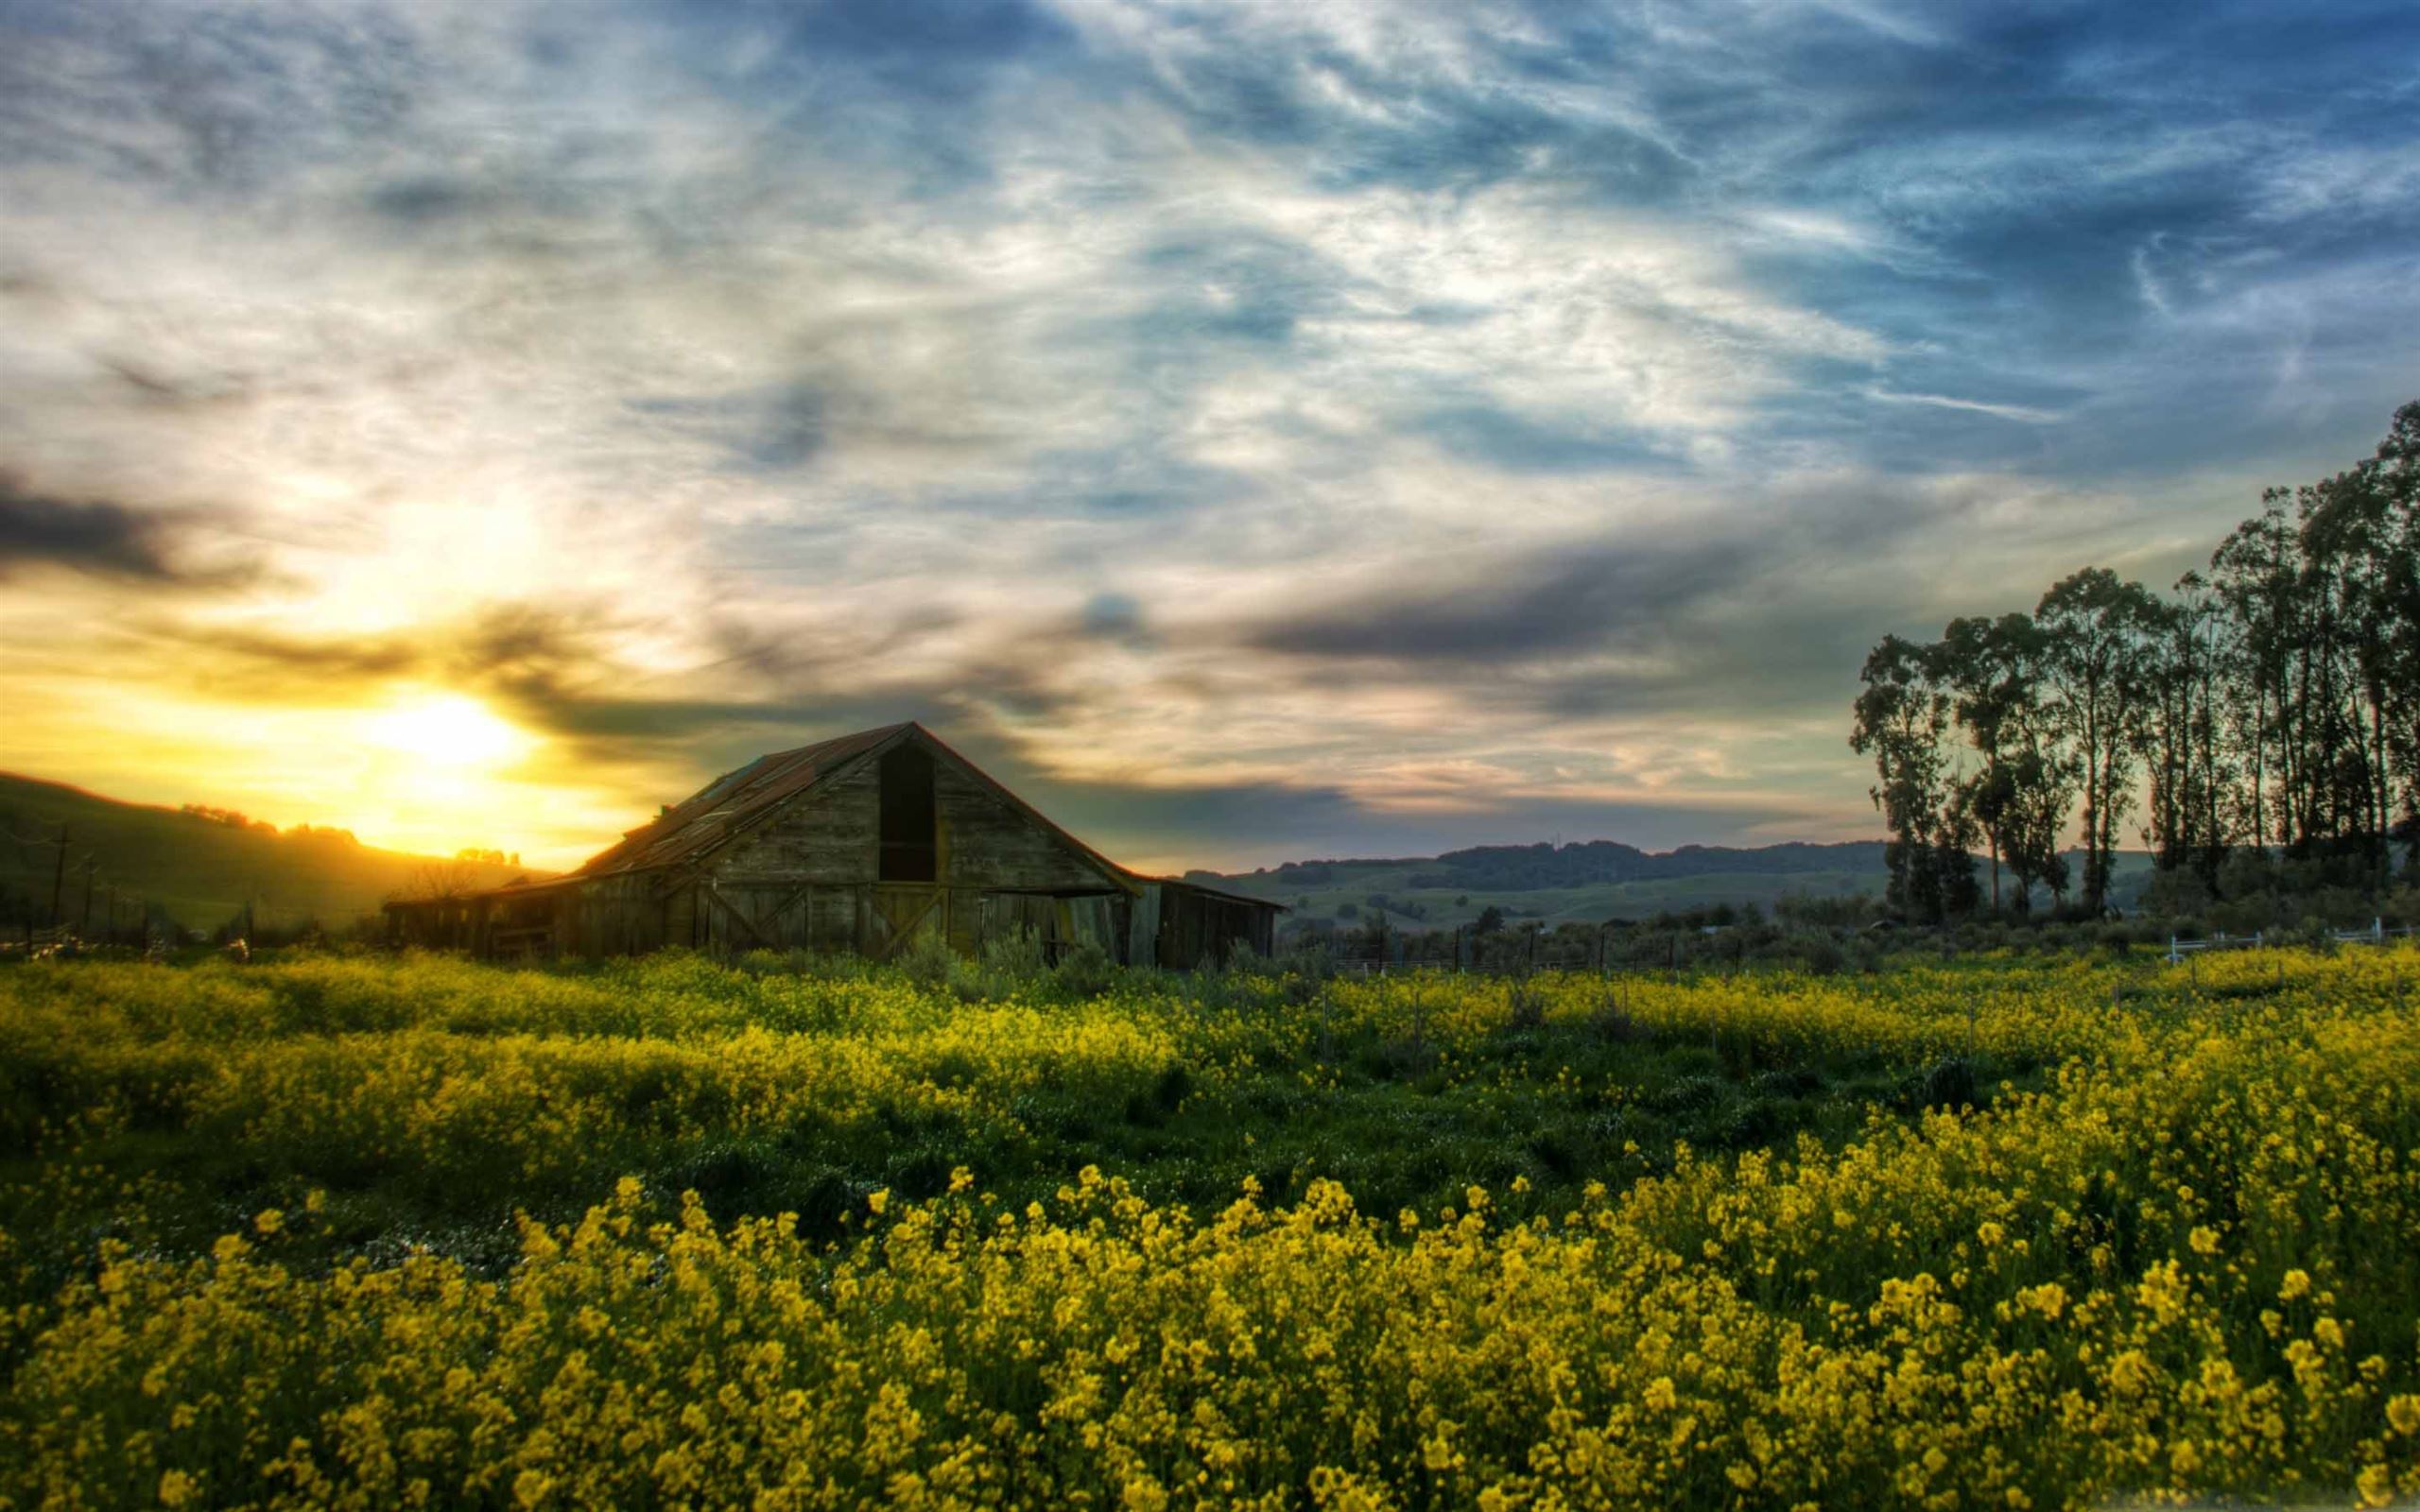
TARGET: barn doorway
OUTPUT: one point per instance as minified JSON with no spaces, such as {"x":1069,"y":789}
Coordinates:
{"x":907,"y":821}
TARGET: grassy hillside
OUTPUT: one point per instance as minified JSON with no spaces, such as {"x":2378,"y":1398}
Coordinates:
{"x":1355,"y":883}
{"x":198,"y":870}
{"x":2013,"y":1232}
{"x":1445,"y":891}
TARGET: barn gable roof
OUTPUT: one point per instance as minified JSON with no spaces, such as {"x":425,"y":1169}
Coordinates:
{"x":723,"y":808}
{"x":727,"y":806}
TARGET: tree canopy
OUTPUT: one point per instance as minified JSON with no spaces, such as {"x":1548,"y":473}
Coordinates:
{"x":2269,"y":704}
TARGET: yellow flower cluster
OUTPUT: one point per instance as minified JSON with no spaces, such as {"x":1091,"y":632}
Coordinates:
{"x":2191,"y":1266}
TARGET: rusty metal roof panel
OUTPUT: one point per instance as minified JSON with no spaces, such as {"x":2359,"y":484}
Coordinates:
{"x":722,"y":807}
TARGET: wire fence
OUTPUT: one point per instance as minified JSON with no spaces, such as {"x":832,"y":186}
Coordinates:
{"x":1608,"y":952}
{"x":2377,"y":933}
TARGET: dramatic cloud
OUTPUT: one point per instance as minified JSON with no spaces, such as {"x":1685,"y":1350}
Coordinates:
{"x":98,"y":538}
{"x":1378,"y":422}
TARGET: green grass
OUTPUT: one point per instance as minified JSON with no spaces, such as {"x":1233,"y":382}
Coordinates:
{"x":1258,"y":1087}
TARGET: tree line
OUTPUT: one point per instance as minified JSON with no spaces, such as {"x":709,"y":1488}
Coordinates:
{"x":2266,"y":707}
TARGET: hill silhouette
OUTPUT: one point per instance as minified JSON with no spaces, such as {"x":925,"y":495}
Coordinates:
{"x":198,"y":866}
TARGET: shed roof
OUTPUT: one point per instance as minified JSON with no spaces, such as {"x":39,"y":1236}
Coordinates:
{"x":1223,"y":894}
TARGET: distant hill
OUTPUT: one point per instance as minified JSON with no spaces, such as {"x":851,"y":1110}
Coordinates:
{"x":1583,"y":883}
{"x":197,"y":868}
{"x":1519,"y":866}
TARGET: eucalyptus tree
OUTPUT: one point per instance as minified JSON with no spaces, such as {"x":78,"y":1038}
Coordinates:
{"x":2184,"y":665}
{"x":2018,"y":790}
{"x":2396,"y":469}
{"x":2095,"y":625}
{"x":2361,"y":546}
{"x":1901,"y":717}
{"x":2255,"y":575}
{"x":2272,"y":701}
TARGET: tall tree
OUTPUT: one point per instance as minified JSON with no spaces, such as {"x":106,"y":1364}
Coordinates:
{"x":2358,"y":544}
{"x":2095,"y":625}
{"x":2182,"y":675}
{"x":2017,"y":791}
{"x":2256,"y":574}
{"x":2395,"y":472}
{"x":1900,"y":718}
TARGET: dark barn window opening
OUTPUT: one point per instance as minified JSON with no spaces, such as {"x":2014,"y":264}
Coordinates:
{"x":907,"y":822}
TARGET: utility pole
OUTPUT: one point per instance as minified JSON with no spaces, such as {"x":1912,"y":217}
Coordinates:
{"x":59,"y":876}
{"x":91,"y":864}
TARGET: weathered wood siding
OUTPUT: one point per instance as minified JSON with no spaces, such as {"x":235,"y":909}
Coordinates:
{"x":806,"y":878}
{"x":1198,"y":929}
{"x":1169,"y":925}
{"x":833,"y":834}
{"x":993,"y":846}
{"x":878,"y":920}
{"x":830,"y":834}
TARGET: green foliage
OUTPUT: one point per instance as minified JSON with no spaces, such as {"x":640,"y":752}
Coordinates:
{"x":431,"y":1097}
{"x":1013,"y":958}
{"x":1085,"y":971}
{"x":2269,"y":709}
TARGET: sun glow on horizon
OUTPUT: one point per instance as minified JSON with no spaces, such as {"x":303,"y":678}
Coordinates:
{"x":433,"y":765}
{"x":446,"y":729}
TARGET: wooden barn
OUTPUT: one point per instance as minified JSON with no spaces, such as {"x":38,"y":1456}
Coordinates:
{"x":861,"y":844}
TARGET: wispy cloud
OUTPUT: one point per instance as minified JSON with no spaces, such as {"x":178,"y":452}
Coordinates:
{"x":2029,"y":414}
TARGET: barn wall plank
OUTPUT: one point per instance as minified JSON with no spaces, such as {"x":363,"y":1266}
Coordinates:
{"x":991,"y":845}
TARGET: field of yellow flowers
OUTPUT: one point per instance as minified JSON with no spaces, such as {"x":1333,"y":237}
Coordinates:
{"x":362,"y":1231}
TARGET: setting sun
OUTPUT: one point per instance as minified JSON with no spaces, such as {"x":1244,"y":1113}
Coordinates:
{"x":448,"y":729}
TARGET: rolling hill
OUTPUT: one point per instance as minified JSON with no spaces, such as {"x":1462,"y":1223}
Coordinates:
{"x":200,"y":869}
{"x":1583,"y":883}
{"x":196,"y":868}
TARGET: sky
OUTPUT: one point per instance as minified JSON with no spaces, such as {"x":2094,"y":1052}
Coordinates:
{"x":1253,"y":431}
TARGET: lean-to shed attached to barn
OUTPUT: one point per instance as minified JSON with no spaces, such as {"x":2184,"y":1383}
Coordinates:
{"x":861,"y":844}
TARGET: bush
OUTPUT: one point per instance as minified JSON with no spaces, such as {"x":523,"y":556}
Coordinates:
{"x":1085,"y":972}
{"x":927,"y":960}
{"x":1817,"y":952}
{"x":1013,"y":957}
